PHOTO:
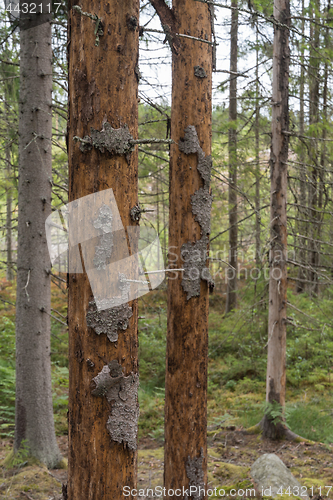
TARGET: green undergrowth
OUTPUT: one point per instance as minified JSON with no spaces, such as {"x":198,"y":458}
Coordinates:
{"x":237,"y":362}
{"x":59,"y":358}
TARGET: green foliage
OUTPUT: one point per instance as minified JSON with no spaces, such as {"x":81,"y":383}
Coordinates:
{"x":313,"y":420}
{"x":7,"y":376}
{"x":273,"y":411}
{"x":151,"y":421}
{"x":18,"y":459}
{"x":152,"y":356}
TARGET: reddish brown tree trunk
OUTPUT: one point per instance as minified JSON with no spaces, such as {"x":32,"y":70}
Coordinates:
{"x":189,"y":228}
{"x":103,"y":87}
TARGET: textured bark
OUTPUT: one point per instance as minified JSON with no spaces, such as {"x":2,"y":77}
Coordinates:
{"x":103,"y":87}
{"x":34,"y":411}
{"x":303,"y":212}
{"x":185,"y":460}
{"x":233,"y":231}
{"x":277,"y":312}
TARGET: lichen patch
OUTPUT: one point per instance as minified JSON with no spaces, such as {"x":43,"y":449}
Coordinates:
{"x":195,"y":269}
{"x":199,"y":72}
{"x":135,"y":213}
{"x":117,"y":141}
{"x":122,"y":394}
{"x":190,"y":143}
{"x":195,"y":474}
{"x":109,"y":321}
{"x":201,"y":207}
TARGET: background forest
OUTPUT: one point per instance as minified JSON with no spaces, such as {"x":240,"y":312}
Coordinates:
{"x":238,"y":317}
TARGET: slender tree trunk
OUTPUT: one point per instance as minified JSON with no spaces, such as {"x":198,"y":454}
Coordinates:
{"x":185,"y":455}
{"x":302,"y":211}
{"x":323,"y":152}
{"x":9,"y":269}
{"x":233,"y":232}
{"x":34,"y":412}
{"x":277,"y":312}
{"x":257,"y":197}
{"x":103,"y":370}
{"x":314,"y":121}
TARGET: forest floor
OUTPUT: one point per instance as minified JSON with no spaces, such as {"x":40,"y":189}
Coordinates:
{"x":231,"y":454}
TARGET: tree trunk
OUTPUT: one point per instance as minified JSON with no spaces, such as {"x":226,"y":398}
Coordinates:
{"x":313,"y":148}
{"x":257,"y":197}
{"x":103,"y":96}
{"x":34,"y":412}
{"x":302,"y":211}
{"x":277,"y":312}
{"x":323,"y":152}
{"x":185,"y":455}
{"x":9,"y":264}
{"x":233,"y":231}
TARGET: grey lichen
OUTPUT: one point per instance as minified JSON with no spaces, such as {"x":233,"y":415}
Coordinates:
{"x":135,"y":213}
{"x":201,"y":207}
{"x":195,"y":268}
{"x":103,"y":251}
{"x":132,"y":22}
{"x":190,"y":143}
{"x":195,"y":474}
{"x":109,"y":321}
{"x":117,"y":141}
{"x":200,"y":72}
{"x":137,"y":73}
{"x":194,"y":256}
{"x":205,"y":167}
{"x":122,"y":394}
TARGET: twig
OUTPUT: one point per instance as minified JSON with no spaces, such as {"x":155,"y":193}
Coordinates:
{"x":271,"y":334}
{"x":26,"y":494}
{"x":55,"y":477}
{"x":7,"y":301}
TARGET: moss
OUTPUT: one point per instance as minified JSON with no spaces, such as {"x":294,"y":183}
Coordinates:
{"x":19,"y":459}
{"x":230,"y":471}
{"x":157,"y":454}
{"x":226,"y":474}
{"x":255,"y":429}
{"x":33,"y":478}
{"x":63,"y":464}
